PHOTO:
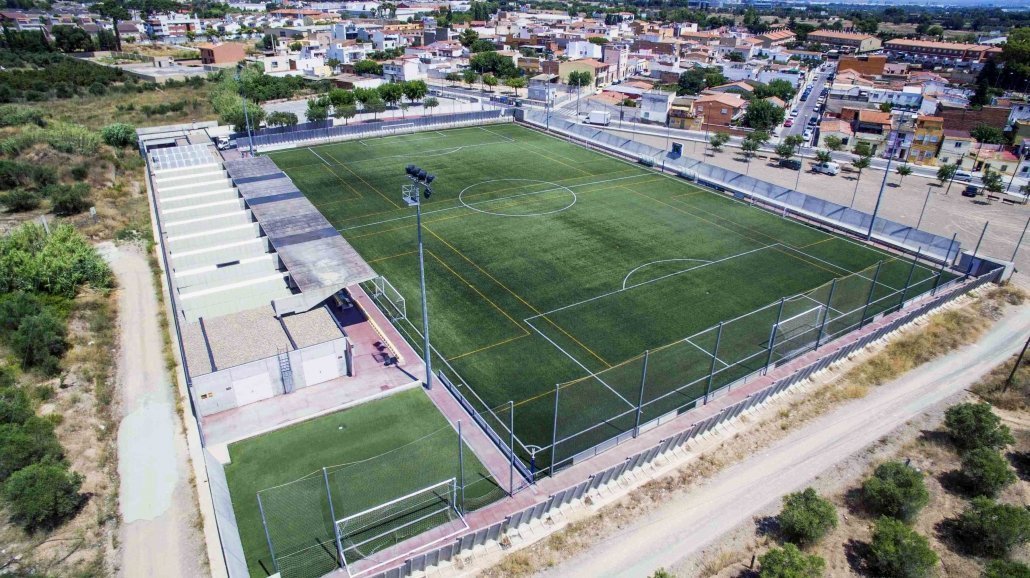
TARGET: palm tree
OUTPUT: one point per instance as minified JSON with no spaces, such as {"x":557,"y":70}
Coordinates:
{"x":823,"y":156}
{"x":834,"y":143}
{"x":903,"y":171}
{"x":860,"y":164}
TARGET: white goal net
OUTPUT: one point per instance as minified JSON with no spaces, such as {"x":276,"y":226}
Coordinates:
{"x":799,"y":331}
{"x":391,"y":298}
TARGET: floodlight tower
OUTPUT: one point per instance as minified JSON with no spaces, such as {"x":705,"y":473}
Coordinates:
{"x":412,"y":195}
{"x":246,"y":119}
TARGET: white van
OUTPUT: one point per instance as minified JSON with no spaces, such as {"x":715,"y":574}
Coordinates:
{"x":830,"y":168}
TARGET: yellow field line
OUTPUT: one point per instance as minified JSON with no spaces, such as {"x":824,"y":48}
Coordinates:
{"x":343,"y":182}
{"x":491,"y":346}
{"x":517,"y":296}
{"x":368,"y":184}
{"x":830,"y":238}
{"x":378,"y":259}
{"x":480,"y":293}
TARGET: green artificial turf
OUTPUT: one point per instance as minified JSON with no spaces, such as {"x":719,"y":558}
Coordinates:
{"x":374,"y":453}
{"x":548,"y":264}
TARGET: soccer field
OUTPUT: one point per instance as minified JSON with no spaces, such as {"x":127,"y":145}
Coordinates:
{"x":551,"y":269}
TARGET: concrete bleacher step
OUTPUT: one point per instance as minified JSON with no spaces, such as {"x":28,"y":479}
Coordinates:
{"x":200,"y":209}
{"x":212,"y":238}
{"x":204,"y":196}
{"x":214,"y":276}
{"x":191,"y":177}
{"x":169,"y":192}
{"x":214,"y":255}
{"x":165,"y":174}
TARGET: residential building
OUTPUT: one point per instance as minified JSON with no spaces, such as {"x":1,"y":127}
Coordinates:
{"x":845,"y":41}
{"x":926,"y":143}
{"x":599,"y":71}
{"x":543,"y":87}
{"x":655,"y":105}
{"x":870,"y":126}
{"x":866,"y":65}
{"x":835,"y":127}
{"x":956,"y":148}
{"x":718,"y":111}
{"x":616,"y":55}
{"x":1020,"y":111}
{"x":777,"y":38}
{"x":682,"y":115}
{"x":582,"y":49}
{"x":930,"y":52}
{"x":226,"y":53}
{"x":403,"y":69}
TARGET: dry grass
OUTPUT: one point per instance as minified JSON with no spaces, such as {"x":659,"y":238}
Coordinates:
{"x":97,"y":111}
{"x":967,"y":321}
{"x":1015,"y":396}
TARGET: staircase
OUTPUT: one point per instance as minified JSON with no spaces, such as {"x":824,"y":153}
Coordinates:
{"x":285,"y":370}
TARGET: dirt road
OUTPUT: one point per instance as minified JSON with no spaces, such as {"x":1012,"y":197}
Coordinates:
{"x":681,"y":528}
{"x":158,"y":535}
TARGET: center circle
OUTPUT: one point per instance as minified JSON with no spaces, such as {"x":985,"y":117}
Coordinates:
{"x":551,"y":188}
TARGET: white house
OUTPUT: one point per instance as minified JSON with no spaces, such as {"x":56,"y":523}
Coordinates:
{"x":403,"y":69}
{"x":655,"y":105}
{"x":579,"y":49}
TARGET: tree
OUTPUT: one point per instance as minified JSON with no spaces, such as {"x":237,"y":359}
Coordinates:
{"x":391,"y":92}
{"x":431,"y":103}
{"x":515,"y":83}
{"x":281,"y":118}
{"x":735,"y":57}
{"x":790,"y":562}
{"x":491,"y":81}
{"x":333,"y":64}
{"x":368,"y":66}
{"x":452,"y":77}
{"x":119,"y":134}
{"x":945,"y":172}
{"x":20,"y":200}
{"x":992,"y":529}
{"x":823,"y":156}
{"x":415,"y":90}
{"x":936,"y":31}
{"x":116,"y":11}
{"x":988,"y":134}
{"x":833,"y":142}
{"x":470,"y":77}
{"x":974,"y":425}
{"x":40,"y":342}
{"x":785,"y":151}
{"x":345,"y":111}
{"x":898,"y":551}
{"x":482,"y":45}
{"x":71,"y":39}
{"x":375,"y":105}
{"x":806,"y":517}
{"x":15,"y":405}
{"x":859,"y":164}
{"x":468,"y":37}
{"x":318,"y":109}
{"x":340,"y":97}
{"x":43,"y":495}
{"x":896,"y":490}
{"x":1006,"y":569}
{"x":23,"y":444}
{"x":986,"y":472}
{"x":763,"y":115}
{"x":490,"y":61}
{"x":992,"y":181}
{"x":718,"y":140}
{"x":68,"y":199}
{"x":903,"y":171}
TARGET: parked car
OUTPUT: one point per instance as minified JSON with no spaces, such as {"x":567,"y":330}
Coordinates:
{"x":827,"y":168}
{"x":813,"y":120}
{"x":224,"y":144}
{"x":971,"y":191}
{"x":788,"y":123}
{"x":794,"y":113}
{"x":808,"y":134}
{"x":792,"y":164}
{"x":963,"y":176}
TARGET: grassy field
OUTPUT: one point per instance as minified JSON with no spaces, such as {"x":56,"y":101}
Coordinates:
{"x":551,"y":264}
{"x":373,"y":453}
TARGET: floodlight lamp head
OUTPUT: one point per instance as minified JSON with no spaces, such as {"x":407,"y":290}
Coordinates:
{"x":430,"y":179}
{"x":428,"y":192}
{"x":422,"y":174}
{"x":411,"y":170}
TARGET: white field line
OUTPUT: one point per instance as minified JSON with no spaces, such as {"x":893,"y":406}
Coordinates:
{"x":724,"y":364}
{"x":630,"y":274}
{"x":648,"y":282}
{"x":314,"y":152}
{"x":460,"y":206}
{"x":507,"y":138}
{"x":576,"y":361}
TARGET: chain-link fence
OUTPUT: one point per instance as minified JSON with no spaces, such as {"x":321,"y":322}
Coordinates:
{"x":395,"y":495}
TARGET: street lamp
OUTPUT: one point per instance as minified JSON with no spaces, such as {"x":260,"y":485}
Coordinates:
{"x":246,"y":116}
{"x":412,"y":195}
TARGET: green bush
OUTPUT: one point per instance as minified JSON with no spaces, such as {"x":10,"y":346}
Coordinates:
{"x":974,"y":425}
{"x":986,"y":472}
{"x":8,"y":379}
{"x":992,"y":529}
{"x":789,"y":562}
{"x":16,"y":115}
{"x":40,"y":342}
{"x":69,"y":199}
{"x":806,"y":517}
{"x":20,"y":200}
{"x":1006,"y":569}
{"x":119,"y":134}
{"x":55,"y":264}
{"x":80,"y":172}
{"x":15,"y":406}
{"x":42,"y":496}
{"x":23,"y":444}
{"x":896,"y":490}
{"x":898,"y":551}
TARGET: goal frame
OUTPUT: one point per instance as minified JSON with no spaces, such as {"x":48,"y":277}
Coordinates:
{"x":398,"y":306}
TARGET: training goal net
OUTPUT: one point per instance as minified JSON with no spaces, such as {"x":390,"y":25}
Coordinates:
{"x":392,"y":299}
{"x":798,"y":332}
{"x":367,"y":535}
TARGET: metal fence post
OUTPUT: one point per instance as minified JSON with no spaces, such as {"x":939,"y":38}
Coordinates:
{"x":268,"y":537}
{"x":461,"y":468}
{"x":940,"y":272}
{"x":976,"y":249}
{"x":1020,"y":241}
{"x":826,"y":315}
{"x":911,"y":270}
{"x":554,"y":432}
{"x":332,"y":512}
{"x":869,"y":299}
{"x":711,"y":369}
{"x":640,"y":398}
{"x":511,"y":447}
{"x":772,"y":335}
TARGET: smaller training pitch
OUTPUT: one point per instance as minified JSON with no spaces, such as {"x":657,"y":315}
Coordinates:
{"x":550,"y":264}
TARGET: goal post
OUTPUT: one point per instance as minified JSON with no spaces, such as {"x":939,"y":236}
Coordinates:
{"x":798,"y":332}
{"x":365,"y":533}
{"x":387,"y":294}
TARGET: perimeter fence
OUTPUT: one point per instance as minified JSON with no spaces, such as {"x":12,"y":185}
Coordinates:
{"x":299,"y":517}
{"x":278,"y":139}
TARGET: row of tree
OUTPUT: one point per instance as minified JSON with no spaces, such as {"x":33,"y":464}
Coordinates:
{"x":340,"y":103}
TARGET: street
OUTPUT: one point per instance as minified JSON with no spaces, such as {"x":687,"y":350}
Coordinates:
{"x":808,"y":108}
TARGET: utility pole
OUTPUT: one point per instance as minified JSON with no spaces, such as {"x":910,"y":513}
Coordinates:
{"x":1015,"y":367}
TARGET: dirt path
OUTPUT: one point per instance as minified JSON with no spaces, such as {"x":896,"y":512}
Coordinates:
{"x":159,"y":536}
{"x":680,"y":529}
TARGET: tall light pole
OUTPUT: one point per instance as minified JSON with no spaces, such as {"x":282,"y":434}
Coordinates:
{"x":246,"y":116}
{"x":879,"y":197}
{"x":412,"y":195}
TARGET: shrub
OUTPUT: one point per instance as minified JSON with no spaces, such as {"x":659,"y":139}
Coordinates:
{"x":69,"y":199}
{"x":993,"y":529}
{"x":19,"y":200}
{"x":119,"y":134}
{"x":40,"y":342}
{"x":13,"y":308}
{"x":789,"y":562}
{"x":55,"y":264}
{"x":23,"y":444}
{"x":97,"y":89}
{"x":986,"y":472}
{"x":80,"y":172}
{"x":974,"y":425}
{"x":15,"y":406}
{"x":1006,"y":569}
{"x":806,"y":517}
{"x":14,"y":115}
{"x":898,"y":551}
{"x":42,"y":496}
{"x":896,"y":490}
